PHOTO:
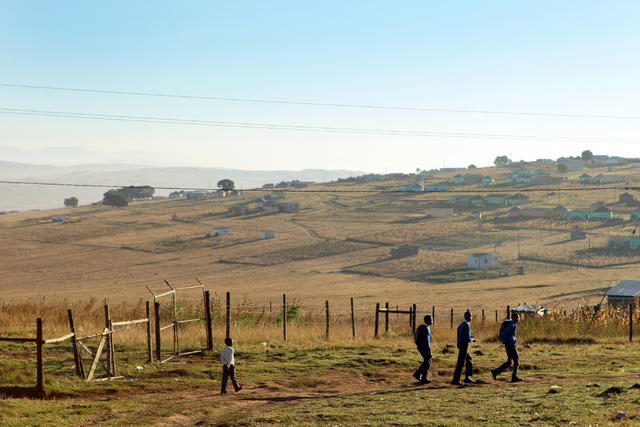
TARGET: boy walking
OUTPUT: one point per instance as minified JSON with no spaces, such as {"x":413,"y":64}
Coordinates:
{"x":508,"y":338}
{"x":423,"y":342}
{"x":228,"y":367}
{"x":464,"y":358}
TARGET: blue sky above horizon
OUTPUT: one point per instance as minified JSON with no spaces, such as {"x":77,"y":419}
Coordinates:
{"x":534,"y":56}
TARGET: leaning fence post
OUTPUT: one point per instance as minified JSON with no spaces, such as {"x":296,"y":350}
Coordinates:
{"x":228,"y":330}
{"x":375,"y":333}
{"x":284,"y":316}
{"x":207,"y":316}
{"x":413,"y":324}
{"x":149,"y":345}
{"x":386,"y":318}
{"x":76,"y":355}
{"x":630,"y":322}
{"x":353,"y":320}
{"x":156,"y":312}
{"x":451,"y":318}
{"x":326,"y":303}
{"x":39,"y":343}
{"x":112,"y":350}
{"x":508,"y":312}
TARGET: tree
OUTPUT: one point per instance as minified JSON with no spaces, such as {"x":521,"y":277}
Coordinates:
{"x":562,"y":168}
{"x":137,"y":192}
{"x":587,"y":155}
{"x":226,"y":184}
{"x":71,"y":202}
{"x":114,"y":198}
{"x":502,"y":161}
{"x":471,"y":166}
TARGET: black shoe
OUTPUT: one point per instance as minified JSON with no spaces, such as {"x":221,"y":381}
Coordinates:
{"x":516,"y":379}
{"x":239,"y":388}
{"x":470,"y":381}
{"x":425,"y":381}
{"x":494,"y":374}
{"x":223,"y":392}
{"x":456,"y":382}
{"x":416,"y":375}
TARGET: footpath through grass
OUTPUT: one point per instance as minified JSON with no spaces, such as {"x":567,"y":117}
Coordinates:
{"x":362,"y":383}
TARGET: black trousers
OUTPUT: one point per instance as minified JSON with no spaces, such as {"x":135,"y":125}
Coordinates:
{"x":227,"y":373}
{"x":464,"y":358}
{"x":423,"y":370}
{"x":512,"y":356}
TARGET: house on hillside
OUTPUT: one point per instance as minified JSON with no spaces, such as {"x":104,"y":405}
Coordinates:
{"x":460,"y":199}
{"x":440,"y":187}
{"x":267,"y":234}
{"x":221,"y":231}
{"x":635,"y":215}
{"x":495,"y":199}
{"x":58,"y":218}
{"x":411,"y":187}
{"x":579,"y":214}
{"x":482,"y":260}
{"x":289,"y":207}
{"x":609,"y":179}
{"x":529,"y":310}
{"x":514,"y":212}
{"x":516,"y":199}
{"x":585,"y":178}
{"x":561,"y":211}
{"x":602,"y":212}
{"x":623,"y":294}
{"x":196,"y":195}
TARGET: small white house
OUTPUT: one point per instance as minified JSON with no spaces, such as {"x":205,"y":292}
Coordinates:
{"x":267,"y":234}
{"x":222,"y":231}
{"x":59,"y":218}
{"x":482,"y":260}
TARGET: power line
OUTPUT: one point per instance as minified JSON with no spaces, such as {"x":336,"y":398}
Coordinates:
{"x":289,"y":190}
{"x":325,"y":104}
{"x":294,"y":127}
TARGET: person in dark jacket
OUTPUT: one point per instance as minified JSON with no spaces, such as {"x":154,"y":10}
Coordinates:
{"x":464,"y":358}
{"x":423,"y":342}
{"x":508,"y":338}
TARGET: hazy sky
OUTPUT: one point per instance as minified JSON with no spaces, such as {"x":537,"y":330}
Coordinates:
{"x":567,"y":57}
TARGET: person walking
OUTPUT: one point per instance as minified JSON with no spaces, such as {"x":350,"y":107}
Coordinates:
{"x":464,"y":358}
{"x":423,"y":342}
{"x":228,"y":367}
{"x":508,"y":338}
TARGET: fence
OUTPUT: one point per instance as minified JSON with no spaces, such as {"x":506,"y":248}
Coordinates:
{"x":106,"y":338}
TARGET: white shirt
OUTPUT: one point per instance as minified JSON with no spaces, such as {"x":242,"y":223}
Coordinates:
{"x":226,"y":356}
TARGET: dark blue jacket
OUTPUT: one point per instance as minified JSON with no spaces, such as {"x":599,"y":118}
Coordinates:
{"x":464,"y":334}
{"x":508,"y":332}
{"x":423,"y":337}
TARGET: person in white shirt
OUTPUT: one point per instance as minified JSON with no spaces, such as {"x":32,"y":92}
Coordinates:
{"x":228,"y":367}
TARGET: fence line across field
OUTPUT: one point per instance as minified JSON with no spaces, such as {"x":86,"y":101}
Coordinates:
{"x":106,"y":343}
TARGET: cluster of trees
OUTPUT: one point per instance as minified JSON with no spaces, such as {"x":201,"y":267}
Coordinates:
{"x":71,"y":202}
{"x":122,"y":196}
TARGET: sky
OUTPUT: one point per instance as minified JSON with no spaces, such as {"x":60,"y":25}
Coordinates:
{"x":569,"y":57}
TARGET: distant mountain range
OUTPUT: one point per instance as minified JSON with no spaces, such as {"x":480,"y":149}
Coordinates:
{"x":26,"y":197}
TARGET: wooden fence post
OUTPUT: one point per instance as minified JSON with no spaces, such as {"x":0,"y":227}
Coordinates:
{"x":386,"y":318}
{"x":228,"y":330}
{"x":284,"y":316}
{"x":156,"y":312}
{"x":433,"y":314}
{"x":630,"y":322}
{"x":107,"y":318}
{"x":397,"y":314}
{"x":326,"y":303}
{"x":496,"y":316}
{"x":451,"y":318}
{"x":508,"y":312}
{"x":353,"y":320}
{"x":149,"y":345}
{"x":39,"y":343}
{"x":375,"y":333}
{"x":76,"y":355}
{"x":413,"y":324}
{"x":483,"y":315}
{"x":207,"y":318}
{"x":112,"y":350}
{"x":410,"y":316}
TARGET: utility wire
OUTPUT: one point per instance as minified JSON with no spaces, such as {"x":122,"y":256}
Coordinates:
{"x":289,"y":190}
{"x":325,"y":104}
{"x":293,"y":127}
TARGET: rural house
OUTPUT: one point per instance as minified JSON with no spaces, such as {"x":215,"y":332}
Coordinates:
{"x":221,"y":231}
{"x":516,"y":199}
{"x":267,"y":234}
{"x":495,"y":199}
{"x":635,"y":215}
{"x":602,"y":212}
{"x":529,"y":310}
{"x":411,"y":187}
{"x":608,"y":179}
{"x":624,"y":293}
{"x":482,"y":260}
{"x":440,"y":187}
{"x":585,"y":178}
